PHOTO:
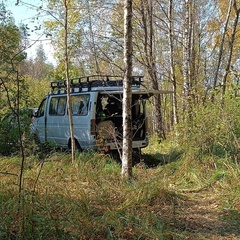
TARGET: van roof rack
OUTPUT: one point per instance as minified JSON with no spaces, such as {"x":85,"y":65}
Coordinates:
{"x":88,"y":82}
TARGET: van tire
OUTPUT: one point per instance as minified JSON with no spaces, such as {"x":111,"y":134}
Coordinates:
{"x":77,"y":145}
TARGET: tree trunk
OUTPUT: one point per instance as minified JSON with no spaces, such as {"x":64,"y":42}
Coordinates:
{"x":157,"y":108}
{"x":172,"y":64}
{"x":186,"y":51}
{"x":220,"y":55}
{"x":127,"y":121}
{"x":231,"y":43}
{"x":147,"y":19}
{"x":188,"y":58}
{"x":93,"y":45}
{"x":69,"y":105}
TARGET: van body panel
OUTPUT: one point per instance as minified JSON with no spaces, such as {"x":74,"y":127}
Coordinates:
{"x":58,"y":130}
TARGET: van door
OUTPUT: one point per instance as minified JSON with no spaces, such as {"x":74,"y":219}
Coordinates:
{"x":57,"y":123}
{"x":110,"y":124}
{"x":81,"y":119}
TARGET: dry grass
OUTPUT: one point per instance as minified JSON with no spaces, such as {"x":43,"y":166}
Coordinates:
{"x":178,"y":198}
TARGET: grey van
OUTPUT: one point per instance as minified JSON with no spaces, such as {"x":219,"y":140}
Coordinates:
{"x":96,"y":103}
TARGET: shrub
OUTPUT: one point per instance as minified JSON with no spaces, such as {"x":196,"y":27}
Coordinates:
{"x":10,"y":131}
{"x":213,"y":130}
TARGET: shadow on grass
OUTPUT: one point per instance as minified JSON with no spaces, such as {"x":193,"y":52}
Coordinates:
{"x":231,"y":219}
{"x":154,"y":160}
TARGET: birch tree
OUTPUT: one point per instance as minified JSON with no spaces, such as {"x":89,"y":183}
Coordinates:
{"x":189,"y":56}
{"x":127,"y":81}
{"x":148,"y":59}
{"x":186,"y":49}
{"x":69,"y":105}
{"x":172,"y":63}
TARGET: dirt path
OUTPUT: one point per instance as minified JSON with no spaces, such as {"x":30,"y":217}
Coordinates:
{"x":202,"y":216}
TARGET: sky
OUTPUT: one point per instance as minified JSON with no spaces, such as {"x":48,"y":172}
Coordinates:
{"x":26,"y":13}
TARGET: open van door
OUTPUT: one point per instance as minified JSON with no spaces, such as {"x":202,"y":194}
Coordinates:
{"x":111,"y":106}
{"x":150,"y":93}
{"x":145,"y":93}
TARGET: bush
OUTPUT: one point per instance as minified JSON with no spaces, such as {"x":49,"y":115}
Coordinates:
{"x":10,"y":131}
{"x":213,"y":130}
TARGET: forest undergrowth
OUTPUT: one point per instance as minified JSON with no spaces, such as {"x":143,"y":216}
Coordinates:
{"x":171,"y":197}
{"x":185,"y":187}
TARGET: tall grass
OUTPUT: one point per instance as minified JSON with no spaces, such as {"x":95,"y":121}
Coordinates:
{"x":89,"y":199}
{"x":83,"y":201}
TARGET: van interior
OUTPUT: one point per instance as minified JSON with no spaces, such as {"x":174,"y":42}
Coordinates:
{"x":110,"y":120}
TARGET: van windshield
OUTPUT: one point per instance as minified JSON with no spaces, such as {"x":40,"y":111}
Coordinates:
{"x":41,"y":108}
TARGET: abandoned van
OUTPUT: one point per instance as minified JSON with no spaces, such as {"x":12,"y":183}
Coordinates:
{"x":96,"y":103}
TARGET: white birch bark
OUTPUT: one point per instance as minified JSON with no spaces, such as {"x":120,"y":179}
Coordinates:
{"x":127,"y":121}
{"x":68,"y":80}
{"x":186,"y":49}
{"x":172,"y":64}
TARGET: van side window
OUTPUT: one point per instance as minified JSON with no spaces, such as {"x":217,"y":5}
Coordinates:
{"x":41,"y":108}
{"x":80,"y":104}
{"x":61,"y":106}
{"x":57,"y":106}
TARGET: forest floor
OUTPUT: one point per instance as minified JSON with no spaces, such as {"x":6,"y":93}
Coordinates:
{"x":205,"y":202}
{"x":163,"y":203}
{"x":198,"y":214}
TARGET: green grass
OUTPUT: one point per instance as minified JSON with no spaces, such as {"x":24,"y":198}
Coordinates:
{"x":89,"y":199}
